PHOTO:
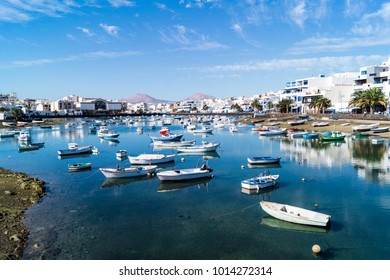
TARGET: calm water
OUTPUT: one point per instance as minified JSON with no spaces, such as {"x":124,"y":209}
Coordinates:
{"x":84,"y":216}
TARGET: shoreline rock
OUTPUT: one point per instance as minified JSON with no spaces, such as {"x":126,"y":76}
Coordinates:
{"x":18,"y":192}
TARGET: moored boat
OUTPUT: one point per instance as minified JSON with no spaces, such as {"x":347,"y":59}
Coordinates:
{"x":151,"y":158}
{"x":295,"y":214}
{"x":310,"y":135}
{"x":185,"y":174}
{"x":263,"y":160}
{"x":334,"y":136}
{"x":316,"y":124}
{"x":73,"y":167}
{"x":260,"y":182}
{"x":365,"y":127}
{"x":205,"y":147}
{"x":128,"y":172}
{"x":273,"y":132}
{"x":75,"y":151}
{"x":27,"y":147}
{"x":121,"y":154}
{"x":380,"y":129}
{"x":174,"y":143}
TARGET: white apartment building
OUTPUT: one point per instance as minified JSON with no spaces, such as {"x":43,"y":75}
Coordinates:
{"x":337,"y":87}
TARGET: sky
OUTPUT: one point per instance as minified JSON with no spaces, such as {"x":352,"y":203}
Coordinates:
{"x":173,"y":49}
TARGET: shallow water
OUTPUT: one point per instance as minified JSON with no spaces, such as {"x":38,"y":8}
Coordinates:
{"x":84,"y":216}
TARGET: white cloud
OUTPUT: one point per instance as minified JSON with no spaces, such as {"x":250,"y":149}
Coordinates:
{"x":374,"y":23}
{"x":298,"y":14}
{"x":122,"y":3}
{"x":317,"y":64}
{"x":164,"y":7}
{"x":188,"y":39}
{"x":84,"y":56}
{"x":86,"y":31}
{"x":110,"y":29}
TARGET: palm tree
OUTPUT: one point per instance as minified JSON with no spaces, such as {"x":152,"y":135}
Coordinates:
{"x":285,"y":104}
{"x":369,"y":97}
{"x":256,"y":105}
{"x":314,"y":104}
{"x":323,"y":103}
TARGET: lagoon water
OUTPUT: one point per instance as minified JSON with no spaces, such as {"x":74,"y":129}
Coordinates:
{"x":83,"y":216}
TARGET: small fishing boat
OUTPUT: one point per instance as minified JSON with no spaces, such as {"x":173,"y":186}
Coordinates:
{"x":272,"y":132}
{"x":128,"y":172}
{"x":151,"y":158}
{"x":121,"y":154}
{"x":260,"y":182}
{"x":75,"y":151}
{"x":380,"y":129}
{"x":334,"y":136}
{"x":185,"y":174}
{"x":27,"y":147}
{"x":320,"y":124}
{"x":365,"y":127}
{"x":174,"y":143}
{"x":310,"y":136}
{"x":296,"y":122}
{"x":205,"y":147}
{"x":203,"y":129}
{"x":297,"y":134}
{"x":74,"y":167}
{"x":263,"y":160}
{"x":233,"y":128}
{"x":360,"y":135}
{"x":7,"y":134}
{"x":295,"y":214}
{"x":24,"y":136}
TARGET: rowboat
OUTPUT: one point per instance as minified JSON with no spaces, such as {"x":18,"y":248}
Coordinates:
{"x":295,"y":214}
{"x":174,"y":143}
{"x":205,"y":147}
{"x":296,"y":122}
{"x":260,"y":182}
{"x":360,"y":135}
{"x":203,"y":129}
{"x":29,"y":147}
{"x":168,"y":138}
{"x":151,"y":158}
{"x":263,"y":160}
{"x":380,"y":129}
{"x":121,"y":154}
{"x":377,"y":140}
{"x":297,"y":134}
{"x":185,"y":174}
{"x":272,"y":132}
{"x":365,"y":127}
{"x":73,"y":167}
{"x":320,"y":124}
{"x":334,"y":136}
{"x":75,"y":151}
{"x":309,"y":136}
{"x":128,"y":172}
{"x":7,"y":134}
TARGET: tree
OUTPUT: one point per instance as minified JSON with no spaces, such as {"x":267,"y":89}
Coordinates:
{"x":17,"y":113}
{"x":205,"y":108}
{"x":236,"y":107}
{"x":284,"y":105}
{"x":255,"y":104}
{"x":370,"y":98}
{"x":323,"y":103}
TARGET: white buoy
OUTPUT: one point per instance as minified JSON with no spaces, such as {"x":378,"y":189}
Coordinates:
{"x":315,"y":205}
{"x":316,"y":249}
{"x":182,"y":159}
{"x":242,"y":166}
{"x":303,"y":179}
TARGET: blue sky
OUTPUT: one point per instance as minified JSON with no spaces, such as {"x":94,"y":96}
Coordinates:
{"x":172,"y":49}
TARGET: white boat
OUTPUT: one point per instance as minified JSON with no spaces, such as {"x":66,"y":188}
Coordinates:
{"x":203,"y":129}
{"x":73,"y":167}
{"x":365,"y":127}
{"x":263,"y":160}
{"x":75,"y":151}
{"x":320,"y":123}
{"x":128,"y":172}
{"x":260,"y":182}
{"x":174,"y":143}
{"x":297,"y":134}
{"x":296,"y":122}
{"x":105,"y":133}
{"x":151,"y":158}
{"x":205,"y":147}
{"x":121,"y":153}
{"x":6,"y":134}
{"x":185,"y":174}
{"x":272,"y":132}
{"x":380,"y":129}
{"x":295,"y":214}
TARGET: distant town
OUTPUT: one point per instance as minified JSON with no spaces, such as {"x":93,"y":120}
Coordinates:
{"x":336,"y":93}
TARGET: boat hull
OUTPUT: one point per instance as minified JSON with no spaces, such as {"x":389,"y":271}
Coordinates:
{"x":128,"y":172}
{"x":151,"y":159}
{"x":263,"y":160}
{"x":294,"y":214}
{"x":184,"y":174}
{"x":260,"y":182}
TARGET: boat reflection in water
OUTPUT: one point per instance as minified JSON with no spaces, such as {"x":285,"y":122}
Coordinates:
{"x":283,"y":225}
{"x":270,"y":165}
{"x":205,"y":155}
{"x":265,"y":192}
{"x":117,"y":182}
{"x":175,"y":186}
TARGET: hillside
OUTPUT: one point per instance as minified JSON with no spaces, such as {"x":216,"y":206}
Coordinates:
{"x":138,"y":98}
{"x":199,"y":96}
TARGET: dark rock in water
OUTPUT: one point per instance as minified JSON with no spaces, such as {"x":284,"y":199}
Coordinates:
{"x":183,"y":217}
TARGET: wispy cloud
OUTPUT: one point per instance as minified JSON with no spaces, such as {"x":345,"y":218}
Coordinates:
{"x":26,"y":10}
{"x":188,"y":39}
{"x":86,"y":31}
{"x":318,"y":64}
{"x":164,"y":7}
{"x":122,"y":3}
{"x":374,"y":23}
{"x":198,"y":3}
{"x":112,"y":30}
{"x":299,"y":14}
{"x":84,"y":56}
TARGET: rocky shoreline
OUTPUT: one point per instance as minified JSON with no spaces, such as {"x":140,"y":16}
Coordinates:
{"x":18,"y":192}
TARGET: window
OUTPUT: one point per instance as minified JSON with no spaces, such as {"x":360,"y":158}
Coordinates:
{"x":363,"y":72}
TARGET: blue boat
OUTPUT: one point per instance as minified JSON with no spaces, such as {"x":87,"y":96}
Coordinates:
{"x":309,"y":136}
